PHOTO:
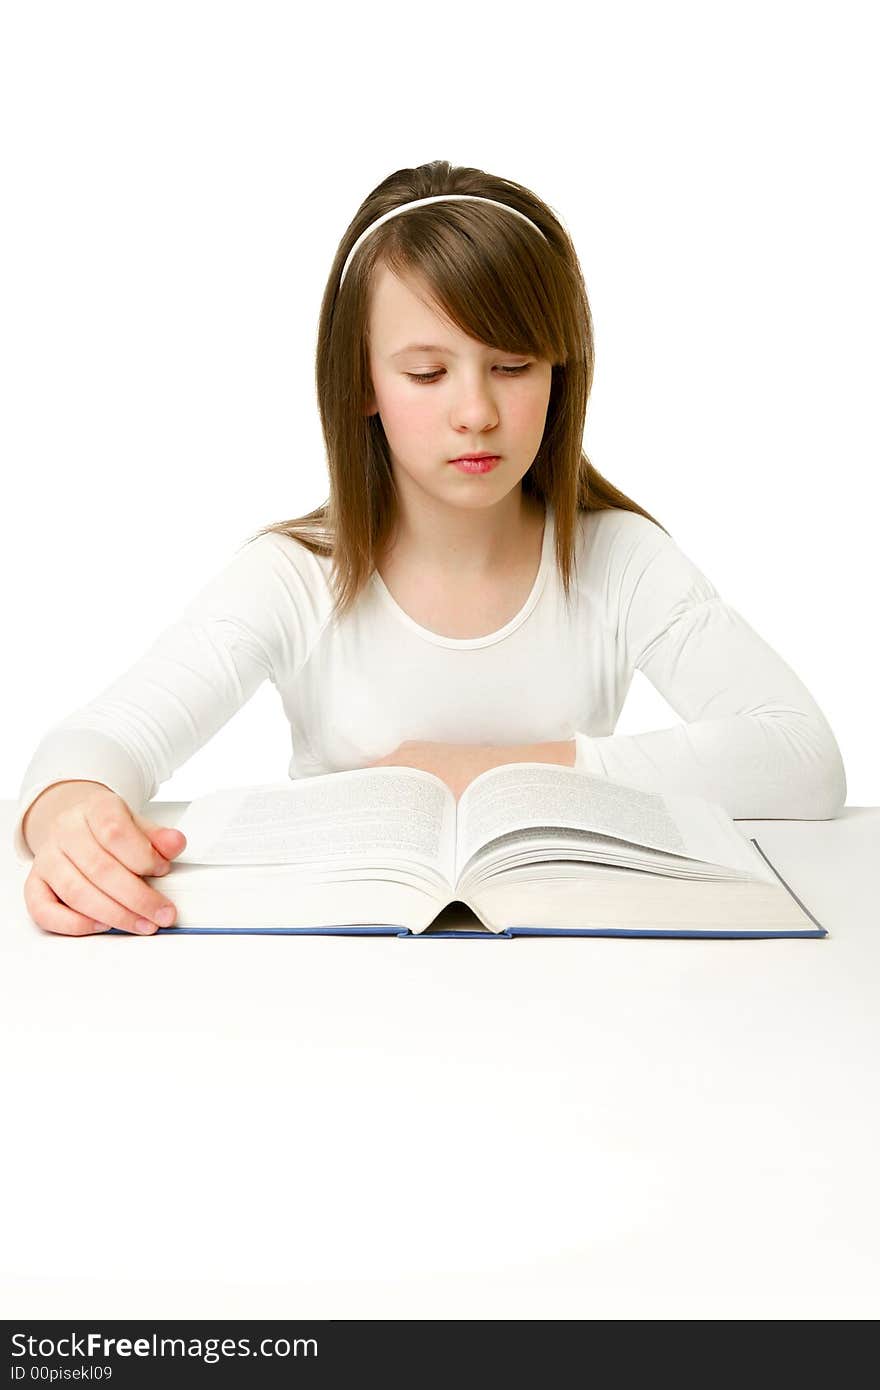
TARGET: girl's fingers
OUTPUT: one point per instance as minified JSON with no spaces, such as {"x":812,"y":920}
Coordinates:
{"x":86,"y":899}
{"x":106,"y":871}
{"x":50,"y":914}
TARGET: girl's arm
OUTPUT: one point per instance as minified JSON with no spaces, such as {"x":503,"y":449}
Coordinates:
{"x":200,"y":670}
{"x":457,"y":764}
{"x":754,"y":740}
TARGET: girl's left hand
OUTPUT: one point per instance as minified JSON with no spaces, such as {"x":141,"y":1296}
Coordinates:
{"x":456,"y":763}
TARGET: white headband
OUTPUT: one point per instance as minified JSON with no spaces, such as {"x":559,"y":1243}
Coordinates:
{"x":420,"y":202}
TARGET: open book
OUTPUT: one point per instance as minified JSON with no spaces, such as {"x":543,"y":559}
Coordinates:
{"x":532,"y":849}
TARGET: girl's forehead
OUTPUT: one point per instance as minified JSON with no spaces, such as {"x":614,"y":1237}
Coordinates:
{"x":398,"y":319}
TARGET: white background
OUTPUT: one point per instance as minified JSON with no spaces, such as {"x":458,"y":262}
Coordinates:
{"x":177,"y":177}
{"x":368,"y":1128}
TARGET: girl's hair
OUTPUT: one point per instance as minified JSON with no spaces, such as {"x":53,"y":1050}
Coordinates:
{"x":500,"y":283}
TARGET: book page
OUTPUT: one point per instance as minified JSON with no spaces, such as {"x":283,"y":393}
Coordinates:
{"x":524,"y":796}
{"x":374,"y":817}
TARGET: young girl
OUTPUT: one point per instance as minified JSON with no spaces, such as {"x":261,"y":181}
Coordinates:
{"x":435,"y":613}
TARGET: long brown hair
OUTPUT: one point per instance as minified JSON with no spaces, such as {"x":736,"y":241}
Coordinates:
{"x":498,"y":282}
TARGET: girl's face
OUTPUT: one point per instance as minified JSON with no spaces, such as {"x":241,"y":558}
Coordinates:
{"x":471,"y":399}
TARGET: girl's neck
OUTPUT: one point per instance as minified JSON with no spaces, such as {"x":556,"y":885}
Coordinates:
{"x":470,"y":545}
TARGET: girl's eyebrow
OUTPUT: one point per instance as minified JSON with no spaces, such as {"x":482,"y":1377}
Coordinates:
{"x":434,"y":347}
{"x":423,"y":347}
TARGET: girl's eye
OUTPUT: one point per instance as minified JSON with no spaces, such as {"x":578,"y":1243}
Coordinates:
{"x":432,"y":376}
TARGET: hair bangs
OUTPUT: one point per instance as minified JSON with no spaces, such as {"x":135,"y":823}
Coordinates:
{"x":482,"y":272}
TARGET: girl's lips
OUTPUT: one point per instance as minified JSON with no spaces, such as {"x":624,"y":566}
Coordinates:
{"x":484,"y":465}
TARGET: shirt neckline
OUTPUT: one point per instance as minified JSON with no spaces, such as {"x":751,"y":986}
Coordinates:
{"x":438,"y":640}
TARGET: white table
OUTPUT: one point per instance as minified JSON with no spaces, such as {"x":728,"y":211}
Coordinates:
{"x":376,"y":1127}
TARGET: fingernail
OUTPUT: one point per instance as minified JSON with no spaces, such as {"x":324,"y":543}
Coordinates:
{"x":142,"y":925}
{"x":165,"y":916}
{"x":100,"y":926}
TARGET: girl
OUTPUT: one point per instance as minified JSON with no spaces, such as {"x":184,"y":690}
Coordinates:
{"x":435,"y":613}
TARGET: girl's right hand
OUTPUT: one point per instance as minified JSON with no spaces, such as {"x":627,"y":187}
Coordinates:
{"x":89,"y":869}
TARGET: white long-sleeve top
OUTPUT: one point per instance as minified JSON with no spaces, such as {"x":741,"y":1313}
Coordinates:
{"x":753,"y":739}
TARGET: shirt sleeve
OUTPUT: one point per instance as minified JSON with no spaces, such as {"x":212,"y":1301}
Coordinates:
{"x":754,"y":740}
{"x":250,"y":619}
